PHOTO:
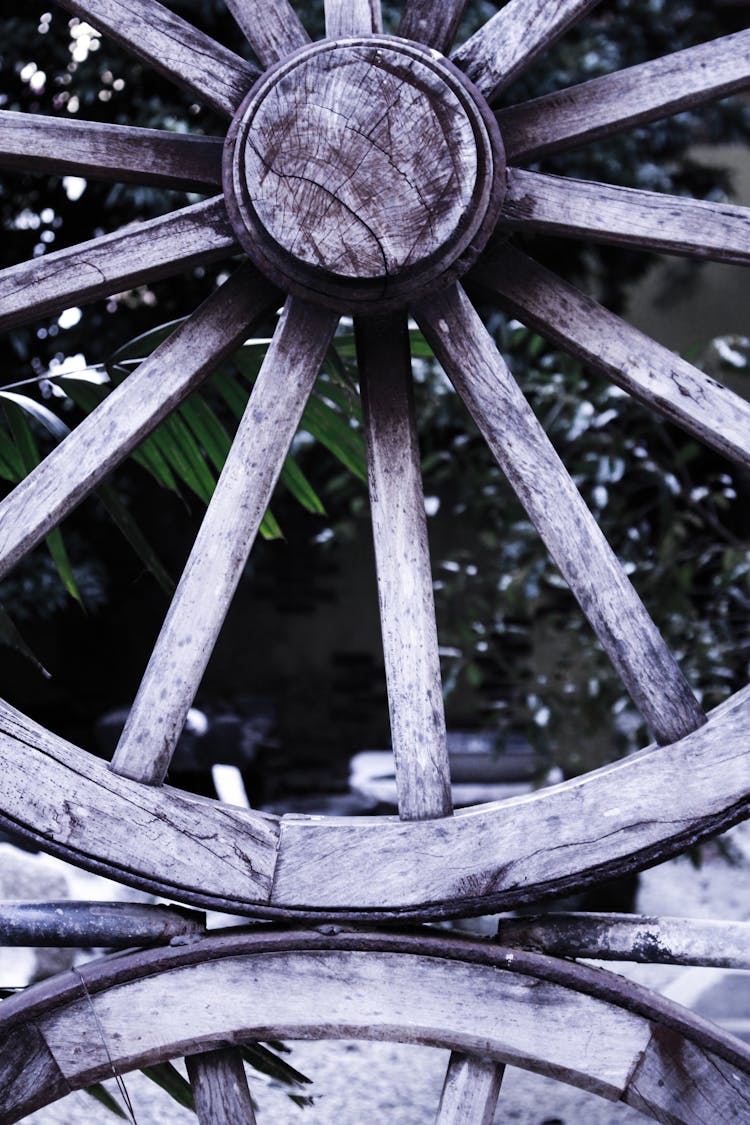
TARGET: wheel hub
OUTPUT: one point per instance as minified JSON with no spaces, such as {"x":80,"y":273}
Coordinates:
{"x":364,"y":171}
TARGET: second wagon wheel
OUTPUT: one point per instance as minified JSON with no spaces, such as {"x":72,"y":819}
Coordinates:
{"x":366,"y":174}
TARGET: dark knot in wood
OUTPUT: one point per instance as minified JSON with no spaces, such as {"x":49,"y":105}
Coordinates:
{"x":364,"y":171}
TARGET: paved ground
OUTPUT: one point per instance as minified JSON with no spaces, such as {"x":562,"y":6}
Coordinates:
{"x":356,"y":1082}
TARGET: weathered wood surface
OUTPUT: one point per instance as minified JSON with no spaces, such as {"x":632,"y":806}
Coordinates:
{"x":352,"y":17}
{"x":133,"y":409}
{"x":272,"y":26}
{"x":407,"y":606}
{"x":375,"y":204}
{"x":430,"y":23}
{"x":158,"y":839}
{"x":573,"y":538}
{"x":627,"y":217}
{"x":647,"y":370}
{"x":141,"y":253}
{"x":29,"y":1069}
{"x":470,"y":1091}
{"x":628,"y":937}
{"x":497,"y":856}
{"x":111,"y":925}
{"x":222,"y":546}
{"x":172,"y":46}
{"x":604,"y":106}
{"x":220,"y":1088}
{"x":508,"y":43}
{"x":600,"y":1032}
{"x":616,"y":819}
{"x":677,"y":1081}
{"x":32,"y":142}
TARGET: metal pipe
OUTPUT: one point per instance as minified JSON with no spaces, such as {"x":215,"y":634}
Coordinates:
{"x":114,"y":925}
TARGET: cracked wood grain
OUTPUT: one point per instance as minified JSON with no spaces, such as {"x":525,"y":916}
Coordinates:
{"x":430,"y":23}
{"x":352,"y":17}
{"x":626,"y":217}
{"x":221,"y":548}
{"x":272,"y":26}
{"x":220,"y":1088}
{"x":160,"y":839}
{"x":35,"y":143}
{"x":103,"y":439}
{"x":608,"y":105}
{"x":141,"y":253}
{"x":647,"y":370}
{"x":601,"y":1033}
{"x":573,"y":538}
{"x":361,"y":171}
{"x":508,"y":43}
{"x":407,"y":607}
{"x":616,"y":819}
{"x":172,"y":46}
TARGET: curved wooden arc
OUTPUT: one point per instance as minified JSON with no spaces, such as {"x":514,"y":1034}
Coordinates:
{"x":142,"y":253}
{"x":604,"y":106}
{"x":221,"y":548}
{"x":672,"y":224}
{"x":172,"y":46}
{"x":36,"y":143}
{"x":130,"y":412}
{"x":574,"y":540}
{"x":611,"y":821}
{"x":272,"y":27}
{"x":452,"y":992}
{"x":508,"y":43}
{"x":642,"y":367}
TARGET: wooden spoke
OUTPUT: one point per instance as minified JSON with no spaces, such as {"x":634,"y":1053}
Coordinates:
{"x":220,"y":1088}
{"x":470,"y":1091}
{"x":407,"y":608}
{"x":138,"y":254}
{"x":651,"y":373}
{"x":627,"y":217}
{"x":430,"y":23}
{"x":608,"y":105}
{"x":107,"y":435}
{"x":509,"y":42}
{"x":272,"y":26}
{"x":34,"y":143}
{"x":572,"y":536}
{"x":600,"y":1032}
{"x":628,"y":937}
{"x":352,"y":17}
{"x":172,"y":46}
{"x":223,"y":543}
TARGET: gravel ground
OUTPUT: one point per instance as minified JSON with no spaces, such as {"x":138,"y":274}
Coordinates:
{"x":357,"y":1082}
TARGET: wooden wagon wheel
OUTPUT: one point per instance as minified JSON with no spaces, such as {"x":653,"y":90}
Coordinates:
{"x":366,"y":174}
{"x":582,"y":1025}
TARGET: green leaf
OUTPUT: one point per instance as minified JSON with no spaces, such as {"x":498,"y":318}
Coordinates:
{"x":334,"y":432}
{"x":265,"y":1061}
{"x":167,"y":1076}
{"x":182,"y":453}
{"x":128,"y":525}
{"x":270,"y":527}
{"x":232,"y":392}
{"x":141,"y":346}
{"x":207,"y":430}
{"x":103,"y":1096}
{"x":41,"y":413}
{"x":59,"y":552}
{"x":295,"y":480}
{"x":10,"y":636}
